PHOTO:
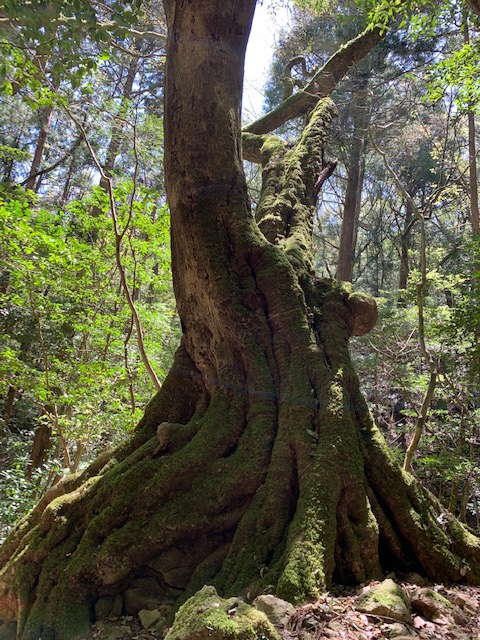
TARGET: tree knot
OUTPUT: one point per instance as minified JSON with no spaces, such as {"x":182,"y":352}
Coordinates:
{"x":363,"y":313}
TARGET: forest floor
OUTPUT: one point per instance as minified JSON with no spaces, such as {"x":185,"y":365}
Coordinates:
{"x":334,"y":617}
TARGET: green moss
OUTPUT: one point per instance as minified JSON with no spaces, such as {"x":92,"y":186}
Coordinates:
{"x":388,"y":594}
{"x":272,"y":145}
{"x":206,"y":615}
{"x":303,"y":578}
{"x":430,"y":593}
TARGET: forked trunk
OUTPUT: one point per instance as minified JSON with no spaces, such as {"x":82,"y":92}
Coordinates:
{"x":257,"y":464}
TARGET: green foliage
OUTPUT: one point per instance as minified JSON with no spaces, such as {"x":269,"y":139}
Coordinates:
{"x":458,"y":72}
{"x":395,"y":378}
{"x":18,"y":493}
{"x":67,"y":341}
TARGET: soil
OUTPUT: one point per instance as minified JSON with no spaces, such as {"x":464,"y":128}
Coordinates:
{"x":335,"y":617}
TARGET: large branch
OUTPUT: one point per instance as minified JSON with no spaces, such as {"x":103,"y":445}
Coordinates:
{"x":322,"y":83}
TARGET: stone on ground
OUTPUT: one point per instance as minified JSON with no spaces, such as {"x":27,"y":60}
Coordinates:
{"x":385,"y":599}
{"x":278,"y":611}
{"x":206,"y":616}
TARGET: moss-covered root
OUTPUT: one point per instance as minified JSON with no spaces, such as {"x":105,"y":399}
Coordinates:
{"x":206,"y":616}
{"x":411,"y":518}
{"x":70,"y":618}
{"x":334,"y":534}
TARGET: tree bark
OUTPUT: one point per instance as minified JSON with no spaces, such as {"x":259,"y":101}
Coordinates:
{"x":353,"y":192}
{"x":257,"y":463}
{"x":472,"y":155}
{"x":45,"y":122}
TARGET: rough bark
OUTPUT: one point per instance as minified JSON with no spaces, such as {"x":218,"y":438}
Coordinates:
{"x":355,"y":170}
{"x":40,"y":449}
{"x":257,"y":463}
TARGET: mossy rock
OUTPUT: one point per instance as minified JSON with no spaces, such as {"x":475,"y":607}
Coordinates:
{"x":433,"y":606}
{"x":385,"y":599}
{"x":207,"y":616}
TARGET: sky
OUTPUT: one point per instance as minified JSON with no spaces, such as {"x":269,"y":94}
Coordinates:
{"x":267,"y":24}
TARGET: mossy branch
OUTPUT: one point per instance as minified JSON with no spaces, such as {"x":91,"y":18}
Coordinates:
{"x":321,"y":85}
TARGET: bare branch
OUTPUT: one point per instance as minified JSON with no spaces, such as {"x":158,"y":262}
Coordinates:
{"x":118,"y":243}
{"x":56,"y":164}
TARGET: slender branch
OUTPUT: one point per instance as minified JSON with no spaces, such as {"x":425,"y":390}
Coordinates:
{"x":103,"y":24}
{"x":128,"y":370}
{"x":52,"y":167}
{"x":52,"y":414}
{"x":419,"y":289}
{"x":118,"y":253}
{"x":136,"y":54}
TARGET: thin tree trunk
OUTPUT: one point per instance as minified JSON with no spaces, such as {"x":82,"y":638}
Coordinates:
{"x":472,"y":153}
{"x":404,"y":254}
{"x":116,"y":139}
{"x":353,"y":193}
{"x":472,"y":157}
{"x":45,"y":124}
{"x":42,"y":444}
{"x":9,"y":404}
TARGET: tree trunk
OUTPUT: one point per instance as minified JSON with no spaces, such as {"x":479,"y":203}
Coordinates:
{"x":9,"y":403}
{"x":257,"y":463}
{"x":473,"y":174}
{"x":41,"y":447}
{"x":45,"y":122}
{"x":404,"y":270}
{"x":116,"y":139}
{"x":353,"y":192}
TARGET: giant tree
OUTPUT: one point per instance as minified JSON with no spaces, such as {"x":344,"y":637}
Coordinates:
{"x":257,"y":463}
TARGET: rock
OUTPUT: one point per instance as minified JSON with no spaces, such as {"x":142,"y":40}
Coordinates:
{"x":385,"y":599}
{"x":178,"y":578}
{"x":395,"y":630}
{"x":168,"y":560}
{"x":463,"y":600}
{"x":417,"y":579}
{"x":148,"y":617}
{"x":278,"y":611}
{"x":433,"y":606}
{"x":103,"y":607}
{"x":206,"y":616}
{"x":107,"y":606}
{"x":142,"y":593}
